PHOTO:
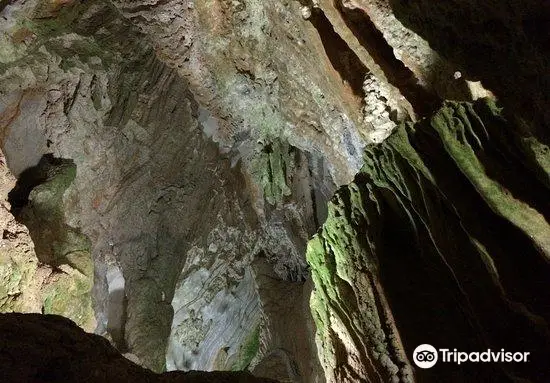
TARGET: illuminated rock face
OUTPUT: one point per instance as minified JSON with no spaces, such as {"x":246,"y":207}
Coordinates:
{"x":441,"y":239}
{"x":193,"y":147}
{"x":49,"y":271}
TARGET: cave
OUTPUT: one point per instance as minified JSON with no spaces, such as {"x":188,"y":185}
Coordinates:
{"x":297,"y":191}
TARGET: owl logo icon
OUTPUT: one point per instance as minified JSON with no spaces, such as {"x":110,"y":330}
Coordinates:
{"x":425,"y":356}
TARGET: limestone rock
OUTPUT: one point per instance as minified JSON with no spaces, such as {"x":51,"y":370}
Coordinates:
{"x":161,"y":178}
{"x":199,"y":142}
{"x":442,"y":239}
{"x":54,"y":276}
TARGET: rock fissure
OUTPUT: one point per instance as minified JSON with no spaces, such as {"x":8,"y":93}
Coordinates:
{"x":422,"y":100}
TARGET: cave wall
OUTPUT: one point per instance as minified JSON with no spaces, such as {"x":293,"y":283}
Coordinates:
{"x":502,"y":44}
{"x":371,"y":265}
{"x":177,"y":214}
{"x":207,"y":138}
{"x":51,"y":273}
{"x":441,"y":239}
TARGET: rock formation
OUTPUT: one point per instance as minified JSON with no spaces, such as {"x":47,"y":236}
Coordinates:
{"x":175,"y":159}
{"x":441,"y":239}
{"x":49,"y":348}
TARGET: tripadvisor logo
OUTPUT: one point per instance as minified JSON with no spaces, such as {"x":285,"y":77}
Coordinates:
{"x":426,"y":356}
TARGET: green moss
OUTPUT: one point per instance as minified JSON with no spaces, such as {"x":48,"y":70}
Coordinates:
{"x":272,"y":168}
{"x":322,"y":272}
{"x":47,"y":198}
{"x":403,"y":178}
{"x":48,"y":22}
{"x":248,"y":351}
{"x":60,"y":244}
{"x":8,"y":50}
{"x":63,"y":33}
{"x":10,"y":277}
{"x":333,"y":256}
{"x":538,"y":155}
{"x":454,"y":124}
{"x":17,"y":269}
{"x":69,"y":296}
{"x":342,"y":255}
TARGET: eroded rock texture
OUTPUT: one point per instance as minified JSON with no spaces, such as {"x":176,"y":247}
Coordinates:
{"x":441,"y":239}
{"x":177,"y":198}
{"x":52,"y":272}
{"x":185,"y":152}
{"x":481,"y":36}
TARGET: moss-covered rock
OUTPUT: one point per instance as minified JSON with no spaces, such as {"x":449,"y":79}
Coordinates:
{"x":248,"y":351}
{"x":68,"y":294}
{"x":16,"y":274}
{"x":272,"y":168}
{"x":57,"y":276}
{"x":442,"y":239}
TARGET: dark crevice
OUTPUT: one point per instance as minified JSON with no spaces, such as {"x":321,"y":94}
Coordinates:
{"x":319,"y":193}
{"x":37,"y":202}
{"x":417,"y":281}
{"x":5,"y":3}
{"x":359,"y":23}
{"x":501,"y":238}
{"x":313,"y":200}
{"x":522,"y":281}
{"x":503,"y":163}
{"x":31,"y":178}
{"x":499,"y":45}
{"x":342,"y":57}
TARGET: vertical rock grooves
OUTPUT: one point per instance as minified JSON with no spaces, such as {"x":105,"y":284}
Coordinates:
{"x":203,"y":212}
{"x":370,"y":46}
{"x":177,"y":213}
{"x":400,"y":76}
{"x":480,"y":36}
{"x":448,"y":220}
{"x":343,"y":58}
{"x":338,"y":23}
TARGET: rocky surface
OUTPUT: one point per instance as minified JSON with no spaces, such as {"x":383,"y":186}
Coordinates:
{"x":478,"y":37}
{"x":161,"y":198}
{"x":50,"y":348}
{"x":185,"y":152}
{"x":55,"y":276}
{"x":441,"y":239}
